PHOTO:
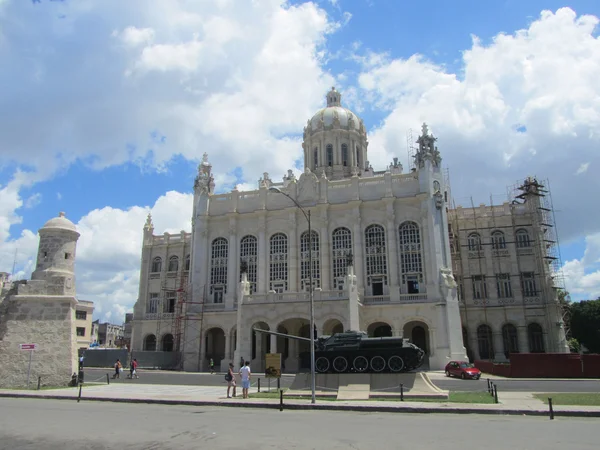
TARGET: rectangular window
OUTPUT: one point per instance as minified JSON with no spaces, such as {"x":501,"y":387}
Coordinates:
{"x":503,"y":286}
{"x":170,"y":298}
{"x":80,"y":331}
{"x":218,"y":292}
{"x":80,"y":315}
{"x":479,"y":287}
{"x":529,"y":285}
{"x":152,"y":307}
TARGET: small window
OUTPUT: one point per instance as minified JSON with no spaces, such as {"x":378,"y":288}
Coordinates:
{"x":80,"y":331}
{"x":80,"y":315}
{"x":67,"y":256}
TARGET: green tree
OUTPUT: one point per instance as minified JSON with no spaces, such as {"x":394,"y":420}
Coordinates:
{"x":585,"y":323}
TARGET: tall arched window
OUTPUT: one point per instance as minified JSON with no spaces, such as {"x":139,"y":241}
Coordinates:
{"x":315,"y":157}
{"x":484,"y":339}
{"x":498,"y":240}
{"x":218,"y":269}
{"x":278,"y":263}
{"x":156,"y":265}
{"x":150,"y":343}
{"x":341,"y":247}
{"x":536,"y":338}
{"x":187,"y":263}
{"x":510,"y":339}
{"x":249,"y":254}
{"x":523,"y":239}
{"x":474,"y":242}
{"x":173,"y":264}
{"x":358,"y":156}
{"x":304,"y":261}
{"x":376,"y":259}
{"x":329,"y":150}
{"x":411,"y":265}
{"x":344,"y":154}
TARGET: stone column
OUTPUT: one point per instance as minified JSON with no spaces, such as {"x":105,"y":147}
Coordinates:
{"x":357,"y":240}
{"x":523,"y":339}
{"x":273,"y":343}
{"x":325,"y":254}
{"x":498,"y":346}
{"x":232,"y":263}
{"x":392,"y":252}
{"x":262,"y":273}
{"x":293,"y":254}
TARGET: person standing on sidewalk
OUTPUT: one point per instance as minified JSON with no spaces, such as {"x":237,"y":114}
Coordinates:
{"x":230,"y":378}
{"x":245,"y":373}
{"x":212,"y":366}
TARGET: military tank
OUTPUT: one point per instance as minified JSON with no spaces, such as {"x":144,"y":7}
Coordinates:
{"x":354,"y":351}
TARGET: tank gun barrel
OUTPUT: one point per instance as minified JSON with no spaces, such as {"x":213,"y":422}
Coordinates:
{"x":281,"y":334}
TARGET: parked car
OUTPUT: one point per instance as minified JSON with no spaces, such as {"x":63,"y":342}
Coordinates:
{"x":462,"y":369}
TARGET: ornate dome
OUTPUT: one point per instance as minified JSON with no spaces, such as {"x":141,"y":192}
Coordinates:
{"x":60,"y":223}
{"x":334,"y":115}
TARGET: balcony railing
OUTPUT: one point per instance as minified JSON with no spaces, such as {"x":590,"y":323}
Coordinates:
{"x":158,"y":316}
{"x":403,"y":299}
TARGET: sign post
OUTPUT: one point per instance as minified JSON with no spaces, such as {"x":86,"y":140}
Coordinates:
{"x":30,"y":348}
{"x":272,"y":366}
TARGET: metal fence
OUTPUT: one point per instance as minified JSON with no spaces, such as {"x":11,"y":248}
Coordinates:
{"x":146,"y":360}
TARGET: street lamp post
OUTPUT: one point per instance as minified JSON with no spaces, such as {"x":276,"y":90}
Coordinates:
{"x":310,"y":292}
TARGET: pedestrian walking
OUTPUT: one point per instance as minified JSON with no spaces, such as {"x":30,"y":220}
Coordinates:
{"x":212,"y":366}
{"x":135,"y":368}
{"x":118,"y":369}
{"x":230,"y":377}
{"x":245,"y":373}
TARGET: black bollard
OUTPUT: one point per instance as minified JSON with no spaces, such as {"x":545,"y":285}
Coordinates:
{"x":489,"y":385}
{"x":281,"y":400}
{"x":278,"y":383}
{"x":492,"y":389}
{"x":79,"y":398}
{"x":401,"y":392}
{"x":107,"y":379}
{"x":495,"y":393}
{"x":39,"y":383}
{"x":551,"y":410}
{"x":259,"y":385}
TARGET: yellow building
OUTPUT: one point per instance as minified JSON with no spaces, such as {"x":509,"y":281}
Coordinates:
{"x":83,"y":323}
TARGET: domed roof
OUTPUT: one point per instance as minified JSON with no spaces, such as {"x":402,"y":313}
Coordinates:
{"x":59,"y":223}
{"x":335,"y":115}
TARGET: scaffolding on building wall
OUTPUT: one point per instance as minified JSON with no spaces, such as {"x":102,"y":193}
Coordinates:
{"x":189,"y":319}
{"x":410,"y":149}
{"x":536,"y":198}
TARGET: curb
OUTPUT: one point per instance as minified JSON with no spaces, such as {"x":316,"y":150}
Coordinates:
{"x":320,"y":406}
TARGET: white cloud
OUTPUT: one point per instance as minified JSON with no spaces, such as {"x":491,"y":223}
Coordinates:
{"x":582,"y":168}
{"x":582,"y":276}
{"x":132,"y":36}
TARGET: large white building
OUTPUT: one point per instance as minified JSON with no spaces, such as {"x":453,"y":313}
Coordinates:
{"x":381,"y":257}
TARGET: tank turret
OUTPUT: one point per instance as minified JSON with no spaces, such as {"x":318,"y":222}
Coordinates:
{"x":354,"y":351}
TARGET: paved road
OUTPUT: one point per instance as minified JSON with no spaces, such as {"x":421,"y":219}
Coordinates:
{"x":451,"y":384}
{"x":31,"y":424}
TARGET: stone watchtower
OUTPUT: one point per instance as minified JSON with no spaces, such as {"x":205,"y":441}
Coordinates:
{"x":56,"y":256}
{"x":41,"y":311}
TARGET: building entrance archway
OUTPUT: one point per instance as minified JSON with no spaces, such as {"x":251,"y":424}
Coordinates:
{"x":214,"y":347}
{"x":261,"y":345}
{"x":294,"y":352}
{"x":418,"y":333}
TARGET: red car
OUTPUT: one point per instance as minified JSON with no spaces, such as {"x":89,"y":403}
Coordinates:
{"x":462,"y":369}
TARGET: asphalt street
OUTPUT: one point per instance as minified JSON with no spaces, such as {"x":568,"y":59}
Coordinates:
{"x":30,"y":424}
{"x":451,"y":384}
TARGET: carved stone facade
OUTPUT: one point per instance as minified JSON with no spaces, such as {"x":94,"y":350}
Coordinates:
{"x":393,"y":224}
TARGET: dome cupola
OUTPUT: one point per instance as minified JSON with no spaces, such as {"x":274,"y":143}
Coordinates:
{"x":335,"y":140}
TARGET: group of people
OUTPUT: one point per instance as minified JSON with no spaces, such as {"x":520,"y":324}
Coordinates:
{"x":244,"y":374}
{"x":132,"y":369}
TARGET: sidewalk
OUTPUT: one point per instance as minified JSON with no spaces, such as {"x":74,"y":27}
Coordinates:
{"x":510,"y":402}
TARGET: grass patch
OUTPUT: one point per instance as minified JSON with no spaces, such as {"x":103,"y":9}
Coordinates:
{"x":587,"y":399}
{"x":453,"y":397}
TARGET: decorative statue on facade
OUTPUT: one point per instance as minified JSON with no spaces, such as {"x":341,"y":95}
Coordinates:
{"x":427,"y":149}
{"x":265,"y":181}
{"x":204,"y":181}
{"x":447,"y":282}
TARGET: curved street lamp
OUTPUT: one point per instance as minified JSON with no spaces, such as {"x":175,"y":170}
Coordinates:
{"x":310,"y":292}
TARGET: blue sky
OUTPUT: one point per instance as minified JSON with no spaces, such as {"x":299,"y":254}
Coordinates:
{"x":111,"y":105}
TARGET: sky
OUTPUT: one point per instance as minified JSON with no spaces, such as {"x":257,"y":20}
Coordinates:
{"x":107,"y":107}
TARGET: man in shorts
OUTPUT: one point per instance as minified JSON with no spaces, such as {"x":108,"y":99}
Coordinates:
{"x":245,"y":374}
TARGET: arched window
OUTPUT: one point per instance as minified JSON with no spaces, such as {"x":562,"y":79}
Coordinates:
{"x":498,"y":240}
{"x":341,"y":248}
{"x":522,"y":238}
{"x":167,"y":343}
{"x":156,"y":265}
{"x":278,"y":263}
{"x":218,"y":269}
{"x":411,"y":265}
{"x":510,"y":339}
{"x":173,"y":264}
{"x":150,"y":343}
{"x":357,"y":156}
{"x":344,"y":154}
{"x":305,"y":263}
{"x":249,"y":255}
{"x":536,"y":338}
{"x":376,"y":258}
{"x":474,"y":242}
{"x":187,"y":263}
{"x":484,"y":339}
{"x":315,"y":157}
{"x":329,"y":155}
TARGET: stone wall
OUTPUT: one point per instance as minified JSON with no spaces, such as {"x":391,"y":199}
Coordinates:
{"x":49,"y":322}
